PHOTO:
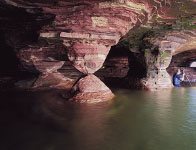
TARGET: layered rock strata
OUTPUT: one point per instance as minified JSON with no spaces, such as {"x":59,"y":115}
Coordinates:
{"x":88,"y":29}
{"x":157,"y":76}
{"x":157,"y":48}
{"x":91,"y":89}
{"x":159,"y":59}
{"x":46,"y":59}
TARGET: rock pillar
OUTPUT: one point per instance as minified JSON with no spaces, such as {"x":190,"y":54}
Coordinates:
{"x":45,"y":60}
{"x":88,"y":58}
{"x":156,"y":62}
{"x":49,"y":76}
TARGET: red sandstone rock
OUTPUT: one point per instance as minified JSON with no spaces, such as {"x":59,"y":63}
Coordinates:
{"x":90,"y":89}
{"x":158,"y":57}
{"x":46,"y":60}
{"x":42,"y":57}
{"x":88,"y":58}
{"x":89,"y":28}
{"x":48,"y":66}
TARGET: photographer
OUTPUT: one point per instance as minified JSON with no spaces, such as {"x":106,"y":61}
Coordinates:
{"x":179,"y":77}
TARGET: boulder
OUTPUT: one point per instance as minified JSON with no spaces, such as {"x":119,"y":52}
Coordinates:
{"x":91,"y":89}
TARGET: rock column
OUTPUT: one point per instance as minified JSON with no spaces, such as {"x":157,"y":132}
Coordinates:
{"x":88,"y":57}
{"x":45,"y":60}
{"x":157,"y":76}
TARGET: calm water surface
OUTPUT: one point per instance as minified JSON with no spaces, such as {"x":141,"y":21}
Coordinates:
{"x":134,"y":120}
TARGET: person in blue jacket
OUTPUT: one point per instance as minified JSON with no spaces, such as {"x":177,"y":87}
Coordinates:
{"x":179,"y":77}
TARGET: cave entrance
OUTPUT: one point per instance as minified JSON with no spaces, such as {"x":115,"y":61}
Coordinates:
{"x":193,"y":64}
{"x":184,"y":60}
{"x":115,"y":68}
{"x":137,"y":69}
{"x":122,"y":68}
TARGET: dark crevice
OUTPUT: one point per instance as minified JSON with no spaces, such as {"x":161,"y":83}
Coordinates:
{"x":18,"y":29}
{"x":137,"y":69}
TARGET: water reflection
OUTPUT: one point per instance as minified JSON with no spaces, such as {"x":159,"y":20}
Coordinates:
{"x":134,"y":120}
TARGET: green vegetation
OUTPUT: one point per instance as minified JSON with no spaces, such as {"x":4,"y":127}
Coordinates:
{"x":142,"y":38}
{"x":181,"y":16}
{"x":188,"y":23}
{"x":188,"y":6}
{"x":164,"y":54}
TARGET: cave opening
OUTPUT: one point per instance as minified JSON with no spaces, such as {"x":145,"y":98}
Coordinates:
{"x":184,"y":60}
{"x":137,"y":69}
{"x":193,"y":64}
{"x":115,"y":69}
{"x":19,"y":28}
{"x":123,"y":68}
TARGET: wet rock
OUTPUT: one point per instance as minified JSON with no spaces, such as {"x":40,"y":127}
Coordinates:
{"x":158,"y":79}
{"x":90,"y":89}
{"x":157,"y":76}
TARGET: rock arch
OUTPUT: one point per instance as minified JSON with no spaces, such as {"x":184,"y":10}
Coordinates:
{"x":159,"y":57}
{"x":86,"y":30}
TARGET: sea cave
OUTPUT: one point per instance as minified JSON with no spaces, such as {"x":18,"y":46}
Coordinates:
{"x":97,"y":74}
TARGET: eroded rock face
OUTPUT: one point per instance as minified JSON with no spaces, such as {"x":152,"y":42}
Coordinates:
{"x":156,"y":64}
{"x":183,"y":59}
{"x":88,"y":29}
{"x":88,"y":58}
{"x":46,"y":60}
{"x":38,"y":57}
{"x":167,"y":46}
{"x":157,"y":47}
{"x":91,"y":89}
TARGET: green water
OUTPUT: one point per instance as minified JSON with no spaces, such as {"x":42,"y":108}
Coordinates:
{"x":134,"y":120}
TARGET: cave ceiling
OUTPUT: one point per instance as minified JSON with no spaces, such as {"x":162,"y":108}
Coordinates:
{"x":101,"y":21}
{"x":184,"y":59}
